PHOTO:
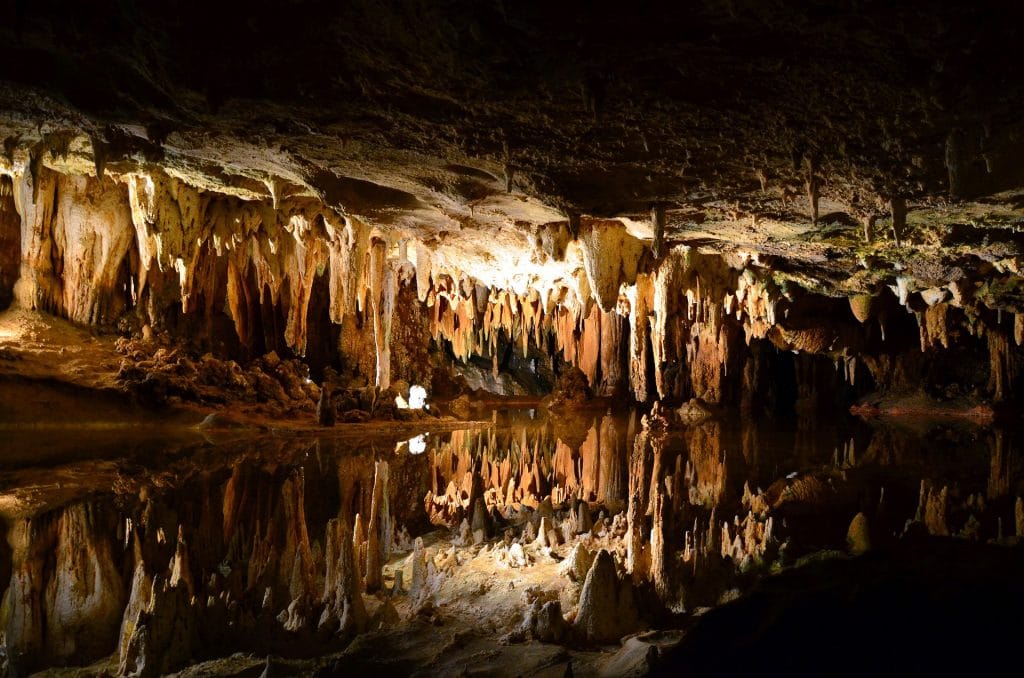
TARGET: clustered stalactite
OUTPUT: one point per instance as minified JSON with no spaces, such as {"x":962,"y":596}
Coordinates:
{"x":285,"y":272}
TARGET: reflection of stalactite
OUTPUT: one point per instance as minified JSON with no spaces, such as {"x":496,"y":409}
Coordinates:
{"x":706,"y":470}
{"x":228,"y":560}
{"x":640,"y":477}
{"x":612,"y":455}
{"x":524,"y":469}
{"x":65,"y":597}
{"x":1002,"y":466}
{"x":933,"y":509}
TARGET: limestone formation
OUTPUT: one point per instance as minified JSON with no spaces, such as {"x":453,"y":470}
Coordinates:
{"x":858,"y":536}
{"x":325,"y":412}
{"x":544,"y":622}
{"x":606,"y":610}
{"x":577,"y":564}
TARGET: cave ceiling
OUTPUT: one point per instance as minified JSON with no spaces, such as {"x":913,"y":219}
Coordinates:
{"x":774,"y":128}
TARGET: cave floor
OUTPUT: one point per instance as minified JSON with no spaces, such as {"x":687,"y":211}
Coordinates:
{"x":40,"y":346}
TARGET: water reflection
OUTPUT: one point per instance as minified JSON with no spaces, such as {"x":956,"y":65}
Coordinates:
{"x":192,"y":548}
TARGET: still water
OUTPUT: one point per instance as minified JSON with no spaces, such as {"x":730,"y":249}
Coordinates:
{"x":236,"y":521}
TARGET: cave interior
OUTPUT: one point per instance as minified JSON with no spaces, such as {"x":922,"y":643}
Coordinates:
{"x":483,"y":337}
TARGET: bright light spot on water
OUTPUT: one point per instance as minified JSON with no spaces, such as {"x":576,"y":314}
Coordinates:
{"x":418,"y":445}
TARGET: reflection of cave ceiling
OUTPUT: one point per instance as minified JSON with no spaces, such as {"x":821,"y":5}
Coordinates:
{"x":468,"y":124}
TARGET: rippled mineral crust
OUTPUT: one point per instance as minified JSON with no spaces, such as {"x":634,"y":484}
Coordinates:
{"x":543,"y":338}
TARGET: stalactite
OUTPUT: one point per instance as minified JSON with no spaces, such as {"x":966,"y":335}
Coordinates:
{"x":640,"y":298}
{"x":590,"y":345}
{"x":868,"y":224}
{"x":1002,"y":366}
{"x":37,"y":286}
{"x":663,"y":306}
{"x":423,"y":265}
{"x":658,"y":223}
{"x":610,"y":257}
{"x":382,"y":287}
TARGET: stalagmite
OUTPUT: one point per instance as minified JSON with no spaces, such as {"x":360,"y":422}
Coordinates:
{"x":418,"y":581}
{"x":583,"y":522}
{"x":479,"y":517}
{"x":606,"y":609}
{"x":543,"y":533}
{"x":578,"y":563}
{"x":858,"y":536}
{"x":325,"y":412}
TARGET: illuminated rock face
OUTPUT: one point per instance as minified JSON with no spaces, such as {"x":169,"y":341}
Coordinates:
{"x":246,"y":275}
